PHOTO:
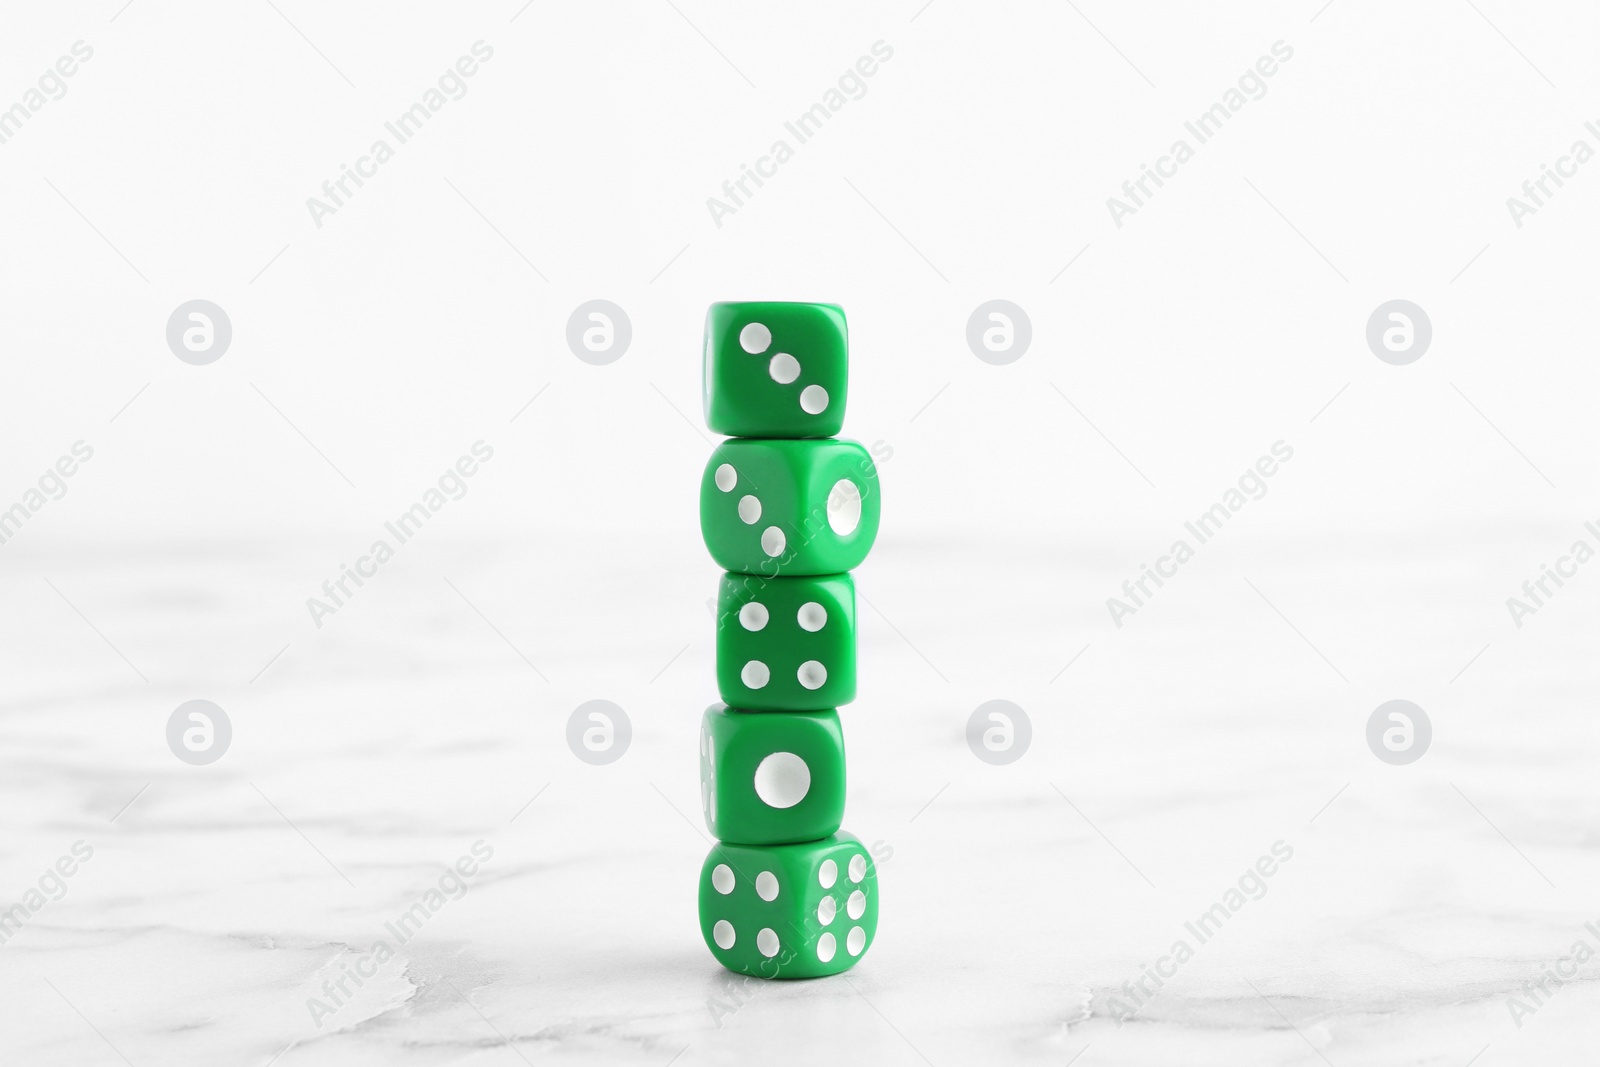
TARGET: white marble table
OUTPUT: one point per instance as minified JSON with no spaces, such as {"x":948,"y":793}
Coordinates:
{"x":1018,"y":900}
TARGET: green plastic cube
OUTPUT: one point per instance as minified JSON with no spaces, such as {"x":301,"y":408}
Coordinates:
{"x":786,"y":644}
{"x":784,"y":508}
{"x":789,"y":911}
{"x":776,"y":369}
{"x":771,"y":777}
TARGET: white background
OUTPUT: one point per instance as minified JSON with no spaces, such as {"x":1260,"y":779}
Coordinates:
{"x":1167,"y":355}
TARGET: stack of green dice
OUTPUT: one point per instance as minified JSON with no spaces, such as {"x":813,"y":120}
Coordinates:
{"x":787,"y":509}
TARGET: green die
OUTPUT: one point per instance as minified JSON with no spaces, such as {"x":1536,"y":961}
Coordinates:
{"x":771,"y":777}
{"x":789,"y":911}
{"x":789,"y":507}
{"x":776,"y":369}
{"x":786,"y":644}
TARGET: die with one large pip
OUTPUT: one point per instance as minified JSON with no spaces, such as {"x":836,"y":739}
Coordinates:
{"x":789,"y":911}
{"x":775,"y":369}
{"x":771,"y":777}
{"x":774,"y":508}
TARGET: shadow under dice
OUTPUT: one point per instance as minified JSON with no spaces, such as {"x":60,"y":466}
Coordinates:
{"x":771,"y":777}
{"x":775,"y":369}
{"x":789,"y":911}
{"x":786,"y":644}
{"x":789,"y":507}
